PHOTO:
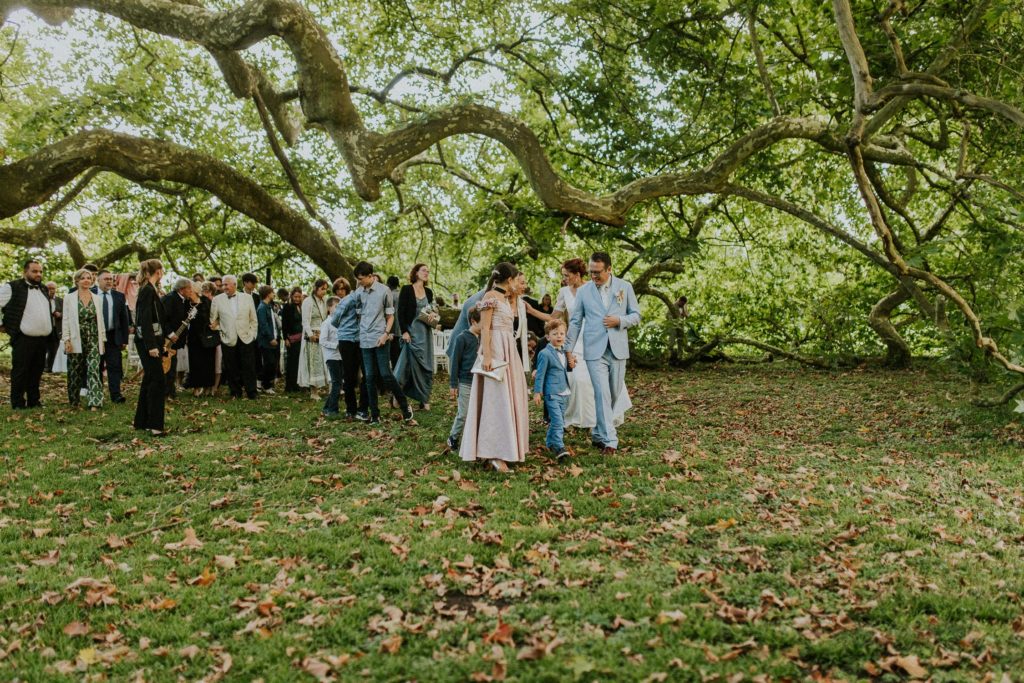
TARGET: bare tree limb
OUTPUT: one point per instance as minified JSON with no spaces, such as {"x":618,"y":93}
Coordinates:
{"x":325,"y":98}
{"x":30,"y":181}
{"x":1001,"y":400}
{"x":762,"y":70}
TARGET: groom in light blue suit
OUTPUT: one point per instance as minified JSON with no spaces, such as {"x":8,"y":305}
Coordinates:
{"x":609,"y":306}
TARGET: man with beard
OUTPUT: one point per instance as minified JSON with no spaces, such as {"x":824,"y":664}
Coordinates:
{"x":27,"y":319}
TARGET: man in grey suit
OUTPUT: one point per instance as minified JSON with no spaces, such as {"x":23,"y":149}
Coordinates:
{"x":609,"y":307}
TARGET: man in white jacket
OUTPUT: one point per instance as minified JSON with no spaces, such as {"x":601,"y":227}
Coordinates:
{"x":234,"y":316}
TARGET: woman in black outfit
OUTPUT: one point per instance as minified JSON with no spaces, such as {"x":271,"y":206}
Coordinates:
{"x":149,"y":340}
{"x":202,"y":344}
{"x":417,"y":318}
{"x":291,"y":327}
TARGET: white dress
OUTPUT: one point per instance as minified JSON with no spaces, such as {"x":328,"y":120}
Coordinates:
{"x":581,"y":410}
{"x":312,"y":370}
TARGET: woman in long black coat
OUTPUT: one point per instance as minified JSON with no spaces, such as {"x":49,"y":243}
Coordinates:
{"x":291,"y":327}
{"x":202,"y":344}
{"x":149,"y":340}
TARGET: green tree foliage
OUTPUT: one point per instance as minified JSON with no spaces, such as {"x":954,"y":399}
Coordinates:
{"x":781,"y":249}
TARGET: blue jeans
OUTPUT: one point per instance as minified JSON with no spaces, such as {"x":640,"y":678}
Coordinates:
{"x":331,"y":404}
{"x":377,"y":370}
{"x":556,"y":428}
{"x":460,"y":417}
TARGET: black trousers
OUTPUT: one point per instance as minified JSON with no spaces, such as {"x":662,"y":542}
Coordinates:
{"x":170,"y":388}
{"x":111,"y":362}
{"x":28,"y":358}
{"x":351,"y":365}
{"x":52,"y":344}
{"x":291,"y":368}
{"x":270,"y":356}
{"x":149,"y":413}
{"x":238,"y":365}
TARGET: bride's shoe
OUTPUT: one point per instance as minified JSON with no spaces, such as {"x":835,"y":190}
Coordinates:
{"x":499,"y":466}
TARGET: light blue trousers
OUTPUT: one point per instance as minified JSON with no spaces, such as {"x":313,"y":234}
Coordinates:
{"x":608,"y":375}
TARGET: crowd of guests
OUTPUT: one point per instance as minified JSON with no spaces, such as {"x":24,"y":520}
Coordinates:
{"x":359,"y":344}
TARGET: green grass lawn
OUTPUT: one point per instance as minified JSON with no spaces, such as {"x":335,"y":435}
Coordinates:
{"x":759,"y":523}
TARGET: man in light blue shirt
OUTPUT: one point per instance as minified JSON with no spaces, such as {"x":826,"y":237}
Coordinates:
{"x":376,"y":318}
{"x":346,"y":319}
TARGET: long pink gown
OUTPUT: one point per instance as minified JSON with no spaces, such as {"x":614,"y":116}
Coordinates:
{"x":497,"y":426}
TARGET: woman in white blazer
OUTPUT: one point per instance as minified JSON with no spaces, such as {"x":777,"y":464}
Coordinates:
{"x":84,"y":336}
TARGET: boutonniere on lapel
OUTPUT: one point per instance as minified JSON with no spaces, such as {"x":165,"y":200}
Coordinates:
{"x":620,"y":296}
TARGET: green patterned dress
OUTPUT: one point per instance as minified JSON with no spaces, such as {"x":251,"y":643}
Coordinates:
{"x":84,"y":368}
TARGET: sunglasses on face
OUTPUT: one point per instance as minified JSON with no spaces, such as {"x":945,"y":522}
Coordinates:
{"x":596,"y":272}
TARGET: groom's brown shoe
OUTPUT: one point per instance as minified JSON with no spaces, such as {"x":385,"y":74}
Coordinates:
{"x":608,"y":450}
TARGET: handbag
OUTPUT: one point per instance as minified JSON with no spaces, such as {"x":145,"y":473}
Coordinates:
{"x":496,"y":372}
{"x":429,"y":316}
{"x":294,"y":338}
{"x":209,"y":339}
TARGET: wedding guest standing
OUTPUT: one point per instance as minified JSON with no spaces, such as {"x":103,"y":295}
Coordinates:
{"x":417,"y":318}
{"x":291,"y":326}
{"x":268,"y":338}
{"x":312,"y":371}
{"x":376,"y":319}
{"x":463,"y":321}
{"x":332,"y":359}
{"x":346,"y":319}
{"x":114,"y":313}
{"x":395,"y":345}
{"x":176,"y":305}
{"x":202,"y":344}
{"x":84,"y":336}
{"x":497,"y":425}
{"x":27,"y":319}
{"x":233,"y":315}
{"x":250,"y":286}
{"x":149,"y":339}
{"x":56,"y":311}
{"x":460,"y":376}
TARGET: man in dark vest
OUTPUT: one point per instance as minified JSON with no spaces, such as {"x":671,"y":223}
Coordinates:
{"x":114,"y":313}
{"x":26,"y":317}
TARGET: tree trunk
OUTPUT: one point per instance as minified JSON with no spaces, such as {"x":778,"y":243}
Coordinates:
{"x":898,"y":352}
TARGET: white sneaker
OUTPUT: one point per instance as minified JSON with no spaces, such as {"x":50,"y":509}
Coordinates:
{"x":269,"y":392}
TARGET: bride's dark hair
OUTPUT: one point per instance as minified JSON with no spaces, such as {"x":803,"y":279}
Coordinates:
{"x":501,"y":273}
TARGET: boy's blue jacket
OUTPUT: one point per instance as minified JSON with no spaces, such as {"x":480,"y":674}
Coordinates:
{"x":552,"y":379}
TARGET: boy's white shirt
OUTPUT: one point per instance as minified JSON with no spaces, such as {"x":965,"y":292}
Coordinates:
{"x":329,"y":340}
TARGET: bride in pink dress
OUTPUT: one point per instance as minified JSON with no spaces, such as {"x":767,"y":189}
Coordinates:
{"x":497,"y":425}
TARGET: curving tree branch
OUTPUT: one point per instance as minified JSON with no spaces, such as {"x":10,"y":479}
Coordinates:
{"x":325,"y":98}
{"x":32,"y":180}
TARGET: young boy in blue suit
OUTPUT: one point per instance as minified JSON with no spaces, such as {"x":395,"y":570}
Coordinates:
{"x":552,"y":384}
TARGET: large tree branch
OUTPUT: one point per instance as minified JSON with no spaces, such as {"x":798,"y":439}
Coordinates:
{"x":813,"y":220}
{"x":30,"y":181}
{"x":971,"y":24}
{"x":1007,"y":111}
{"x":325,"y":98}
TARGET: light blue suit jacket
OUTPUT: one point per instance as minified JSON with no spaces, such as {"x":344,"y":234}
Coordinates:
{"x":463,"y":322}
{"x":552,"y":377}
{"x":597,"y":337}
